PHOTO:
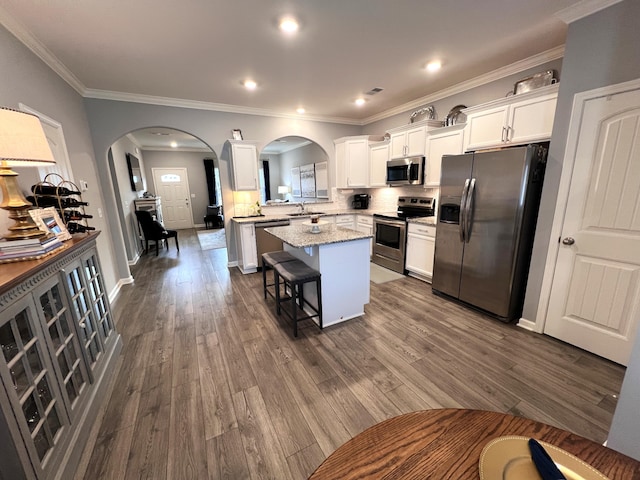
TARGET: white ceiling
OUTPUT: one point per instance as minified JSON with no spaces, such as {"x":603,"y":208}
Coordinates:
{"x":199,"y":51}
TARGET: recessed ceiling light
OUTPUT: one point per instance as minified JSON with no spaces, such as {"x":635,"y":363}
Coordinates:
{"x":161,"y":134}
{"x":359,"y":101}
{"x":289,"y":25}
{"x":300,"y":110}
{"x":433,"y":66}
{"x":250,"y":84}
{"x":174,"y":144}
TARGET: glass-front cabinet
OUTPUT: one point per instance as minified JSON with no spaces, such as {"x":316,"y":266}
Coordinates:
{"x":59,"y":348}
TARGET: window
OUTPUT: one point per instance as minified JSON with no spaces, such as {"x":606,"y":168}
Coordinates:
{"x":170,"y":178}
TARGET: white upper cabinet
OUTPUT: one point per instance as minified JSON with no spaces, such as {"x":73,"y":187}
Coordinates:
{"x":408,"y":140}
{"x":352,"y":160}
{"x":378,"y":156}
{"x":527,"y":117}
{"x":243,"y":161}
{"x":443,"y":141}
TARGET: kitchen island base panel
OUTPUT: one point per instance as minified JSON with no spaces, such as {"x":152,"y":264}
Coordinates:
{"x":345,"y":271}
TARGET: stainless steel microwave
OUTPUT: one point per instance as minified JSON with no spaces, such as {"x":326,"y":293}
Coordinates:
{"x":405,"y":171}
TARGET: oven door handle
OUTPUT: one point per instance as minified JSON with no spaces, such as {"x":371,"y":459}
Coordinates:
{"x":467,"y":214}
{"x":463,"y":209}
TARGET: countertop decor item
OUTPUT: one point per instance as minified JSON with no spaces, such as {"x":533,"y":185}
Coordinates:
{"x":455,"y":116}
{"x":538,"y":80}
{"x":426,"y":113}
{"x":23,"y":143}
{"x":236,"y":133}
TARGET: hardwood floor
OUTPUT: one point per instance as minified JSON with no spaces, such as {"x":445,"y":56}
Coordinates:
{"x":212,"y":384}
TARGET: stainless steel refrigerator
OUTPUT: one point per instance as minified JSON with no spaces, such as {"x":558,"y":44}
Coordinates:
{"x":486,"y":223}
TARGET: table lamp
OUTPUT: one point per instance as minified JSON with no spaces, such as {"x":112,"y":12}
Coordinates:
{"x":283,"y":190}
{"x":22,"y":144}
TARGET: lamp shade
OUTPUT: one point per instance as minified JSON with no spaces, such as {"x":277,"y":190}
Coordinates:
{"x":22,"y":140}
{"x":283,"y":189}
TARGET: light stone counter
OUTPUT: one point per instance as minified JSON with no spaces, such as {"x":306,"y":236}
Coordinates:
{"x":300,"y":236}
{"x":284,"y":216}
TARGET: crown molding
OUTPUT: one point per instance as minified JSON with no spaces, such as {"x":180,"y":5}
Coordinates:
{"x":43,"y":53}
{"x":583,"y":9}
{"x":218,"y":107}
{"x":517,"y":67}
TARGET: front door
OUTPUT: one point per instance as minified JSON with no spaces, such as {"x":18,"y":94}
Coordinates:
{"x":172,"y":185}
{"x":595,"y":294}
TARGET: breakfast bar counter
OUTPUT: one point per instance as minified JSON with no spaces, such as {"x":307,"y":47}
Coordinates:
{"x":341,"y":255}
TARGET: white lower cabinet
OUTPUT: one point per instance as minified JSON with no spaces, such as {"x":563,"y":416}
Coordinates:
{"x":246,"y":247}
{"x":364,"y":224}
{"x":421,"y":244}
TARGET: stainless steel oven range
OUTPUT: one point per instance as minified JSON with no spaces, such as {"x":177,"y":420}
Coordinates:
{"x":390,"y":230}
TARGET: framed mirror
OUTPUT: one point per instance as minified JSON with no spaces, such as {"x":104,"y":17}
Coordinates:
{"x":135,"y":174}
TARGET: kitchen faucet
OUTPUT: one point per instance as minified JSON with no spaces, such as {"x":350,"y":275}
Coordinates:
{"x":301,"y":205}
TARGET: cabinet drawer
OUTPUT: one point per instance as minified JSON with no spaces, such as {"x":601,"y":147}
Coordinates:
{"x":365,"y":220}
{"x":419,"y":229}
{"x":344,"y":220}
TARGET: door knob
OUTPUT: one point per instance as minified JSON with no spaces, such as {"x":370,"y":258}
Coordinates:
{"x":568,"y":241}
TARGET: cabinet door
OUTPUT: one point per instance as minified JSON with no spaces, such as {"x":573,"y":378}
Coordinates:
{"x":249,"y":247}
{"x":415,"y":141}
{"x":347,"y":221}
{"x":357,"y":163}
{"x":366,"y":227}
{"x":245,"y":166}
{"x":397,"y":144}
{"x":379,"y":154}
{"x":61,"y":335}
{"x":341,"y":165}
{"x":487,"y":128}
{"x":532,"y":120}
{"x":84,"y":317}
{"x":420,"y":250}
{"x":98,"y":297}
{"x":438,"y":145}
{"x":31,"y":387}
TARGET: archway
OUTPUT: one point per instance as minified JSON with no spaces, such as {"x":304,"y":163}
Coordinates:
{"x":277,"y":160}
{"x":155,"y":148}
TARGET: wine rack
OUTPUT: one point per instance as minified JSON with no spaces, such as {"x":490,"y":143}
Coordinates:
{"x":65,"y":197}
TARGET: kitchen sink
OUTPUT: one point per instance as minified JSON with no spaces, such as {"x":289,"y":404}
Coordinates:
{"x":306,"y":214}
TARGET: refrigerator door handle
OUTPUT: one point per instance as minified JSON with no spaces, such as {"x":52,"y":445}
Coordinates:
{"x":467,"y":213}
{"x":463,"y":202}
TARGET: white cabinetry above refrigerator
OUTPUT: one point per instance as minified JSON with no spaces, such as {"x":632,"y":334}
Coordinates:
{"x":518,"y":119}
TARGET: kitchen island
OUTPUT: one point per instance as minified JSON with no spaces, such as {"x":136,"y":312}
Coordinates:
{"x":341,"y":255}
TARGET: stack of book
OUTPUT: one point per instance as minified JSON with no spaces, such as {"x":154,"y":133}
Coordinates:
{"x":28,"y":249}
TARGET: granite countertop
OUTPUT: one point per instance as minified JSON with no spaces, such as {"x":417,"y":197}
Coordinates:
{"x":284,"y":216}
{"x":300,"y":236}
{"x":424,"y":221}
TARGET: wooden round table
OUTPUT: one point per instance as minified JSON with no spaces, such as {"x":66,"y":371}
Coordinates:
{"x":447,"y":443}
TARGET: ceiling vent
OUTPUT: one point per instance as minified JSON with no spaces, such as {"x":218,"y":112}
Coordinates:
{"x":373,"y":91}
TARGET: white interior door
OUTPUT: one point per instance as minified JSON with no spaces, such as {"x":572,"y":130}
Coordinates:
{"x":595,"y":294}
{"x":172,"y":185}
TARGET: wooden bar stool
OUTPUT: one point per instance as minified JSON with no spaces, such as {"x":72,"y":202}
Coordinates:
{"x":294,"y":275}
{"x":270,"y":259}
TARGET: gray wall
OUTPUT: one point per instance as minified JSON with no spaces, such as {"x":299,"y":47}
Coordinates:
{"x":311,"y":153}
{"x":109,"y":120}
{"x":193,"y":162}
{"x":475,"y":96}
{"x":125,"y":195}
{"x":602,"y":49}
{"x":26,"y":79}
